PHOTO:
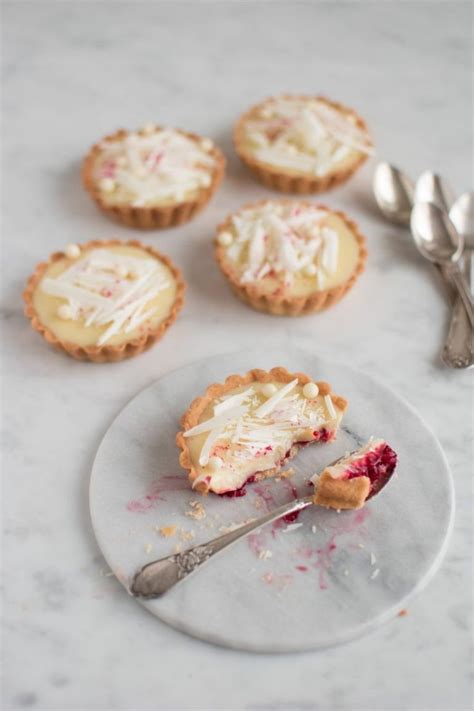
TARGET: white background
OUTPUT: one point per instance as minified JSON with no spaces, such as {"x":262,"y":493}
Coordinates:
{"x":74,"y":71}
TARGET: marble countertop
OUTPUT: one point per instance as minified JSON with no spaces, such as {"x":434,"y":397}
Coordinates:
{"x":75,"y":71}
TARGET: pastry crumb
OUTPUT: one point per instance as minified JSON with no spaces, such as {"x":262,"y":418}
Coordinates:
{"x":177,"y":548}
{"x":265,"y":554}
{"x":313,"y":528}
{"x":375,"y":573}
{"x":403,"y":613}
{"x":360,"y":545}
{"x":148,"y":548}
{"x":186,"y":535}
{"x":197,"y":511}
{"x":167,"y":531}
{"x":373,"y":559}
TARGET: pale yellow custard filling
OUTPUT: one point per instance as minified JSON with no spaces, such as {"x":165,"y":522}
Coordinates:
{"x":304,"y":136}
{"x":154,"y":167}
{"x":253,"y":429}
{"x":289,"y":250}
{"x":67,"y":317}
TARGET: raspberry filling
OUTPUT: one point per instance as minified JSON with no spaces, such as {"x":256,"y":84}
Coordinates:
{"x":322,"y":435}
{"x":378,"y":465}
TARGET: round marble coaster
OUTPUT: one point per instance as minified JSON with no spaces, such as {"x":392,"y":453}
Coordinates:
{"x":285,"y":588}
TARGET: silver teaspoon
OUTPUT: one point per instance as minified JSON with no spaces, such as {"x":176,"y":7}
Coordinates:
{"x":431,"y":187}
{"x":159,"y":576}
{"x":437,"y":240}
{"x":393,"y":193}
{"x":459,"y":347}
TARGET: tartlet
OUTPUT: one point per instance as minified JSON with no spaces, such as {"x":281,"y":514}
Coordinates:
{"x":104,"y":300}
{"x":302,"y":144}
{"x":356,"y":477}
{"x":153,"y":178}
{"x":246,"y":428}
{"x":290,"y":257}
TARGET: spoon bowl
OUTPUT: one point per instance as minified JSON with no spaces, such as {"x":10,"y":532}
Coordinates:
{"x":394,"y":193}
{"x":431,"y":187}
{"x":461,"y":215}
{"x":434,"y":234}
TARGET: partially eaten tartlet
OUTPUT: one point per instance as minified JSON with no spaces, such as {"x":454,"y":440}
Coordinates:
{"x":302,"y":144}
{"x":246,"y":428}
{"x":356,"y":477}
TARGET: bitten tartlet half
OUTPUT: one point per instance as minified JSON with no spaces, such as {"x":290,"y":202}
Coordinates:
{"x":356,"y":477}
{"x":290,"y":257}
{"x":302,"y":144}
{"x":153,"y":178}
{"x":246,"y":428}
{"x":104,"y":300}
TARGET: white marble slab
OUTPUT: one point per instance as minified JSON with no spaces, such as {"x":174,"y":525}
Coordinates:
{"x":73,"y":72}
{"x":338,"y":576}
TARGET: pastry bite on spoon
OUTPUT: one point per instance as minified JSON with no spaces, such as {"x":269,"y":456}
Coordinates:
{"x":356,"y":477}
{"x":246,"y":428}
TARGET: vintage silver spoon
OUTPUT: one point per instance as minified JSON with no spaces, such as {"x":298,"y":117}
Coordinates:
{"x":459,"y":348}
{"x":431,"y":187}
{"x":394,"y":195}
{"x":157,"y":577}
{"x":438,"y":240}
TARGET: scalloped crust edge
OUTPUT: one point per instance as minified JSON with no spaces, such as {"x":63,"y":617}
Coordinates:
{"x":297,"y":306}
{"x":156,"y":217}
{"x":106,"y":353}
{"x":192,"y":414}
{"x":286,"y":181}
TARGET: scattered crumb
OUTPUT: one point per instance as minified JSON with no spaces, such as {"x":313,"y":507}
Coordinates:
{"x":373,"y":559}
{"x":234,"y":526}
{"x":292,"y":527}
{"x":346,"y":572}
{"x":107,"y":574}
{"x":178,"y":548}
{"x":286,"y":474}
{"x":167,"y":531}
{"x":338,"y":510}
{"x":360,"y":545}
{"x":403,"y":613}
{"x":375,"y":573}
{"x":265,"y":554}
{"x":258,"y":503}
{"x":197,"y":511}
{"x":186,"y":535}
{"x":267,"y":578}
{"x":148,"y":548}
{"x":314,"y":529}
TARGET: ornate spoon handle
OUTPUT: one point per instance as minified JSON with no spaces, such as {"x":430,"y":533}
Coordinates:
{"x":159,"y":576}
{"x":458,"y":351}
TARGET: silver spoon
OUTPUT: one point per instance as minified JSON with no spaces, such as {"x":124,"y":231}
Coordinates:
{"x":459,"y":347}
{"x":394,"y":193}
{"x":157,"y":577}
{"x":462,"y":217}
{"x":431,"y":187}
{"x":437,"y":240}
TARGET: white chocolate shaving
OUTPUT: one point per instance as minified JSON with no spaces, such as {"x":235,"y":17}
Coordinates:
{"x":272,"y":402}
{"x":330,"y":406}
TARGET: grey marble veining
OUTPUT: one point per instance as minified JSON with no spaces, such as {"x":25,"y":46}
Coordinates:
{"x":75,"y":71}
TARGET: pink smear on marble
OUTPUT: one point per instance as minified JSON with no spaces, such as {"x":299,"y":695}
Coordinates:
{"x":324,"y":555}
{"x":155,"y":493}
